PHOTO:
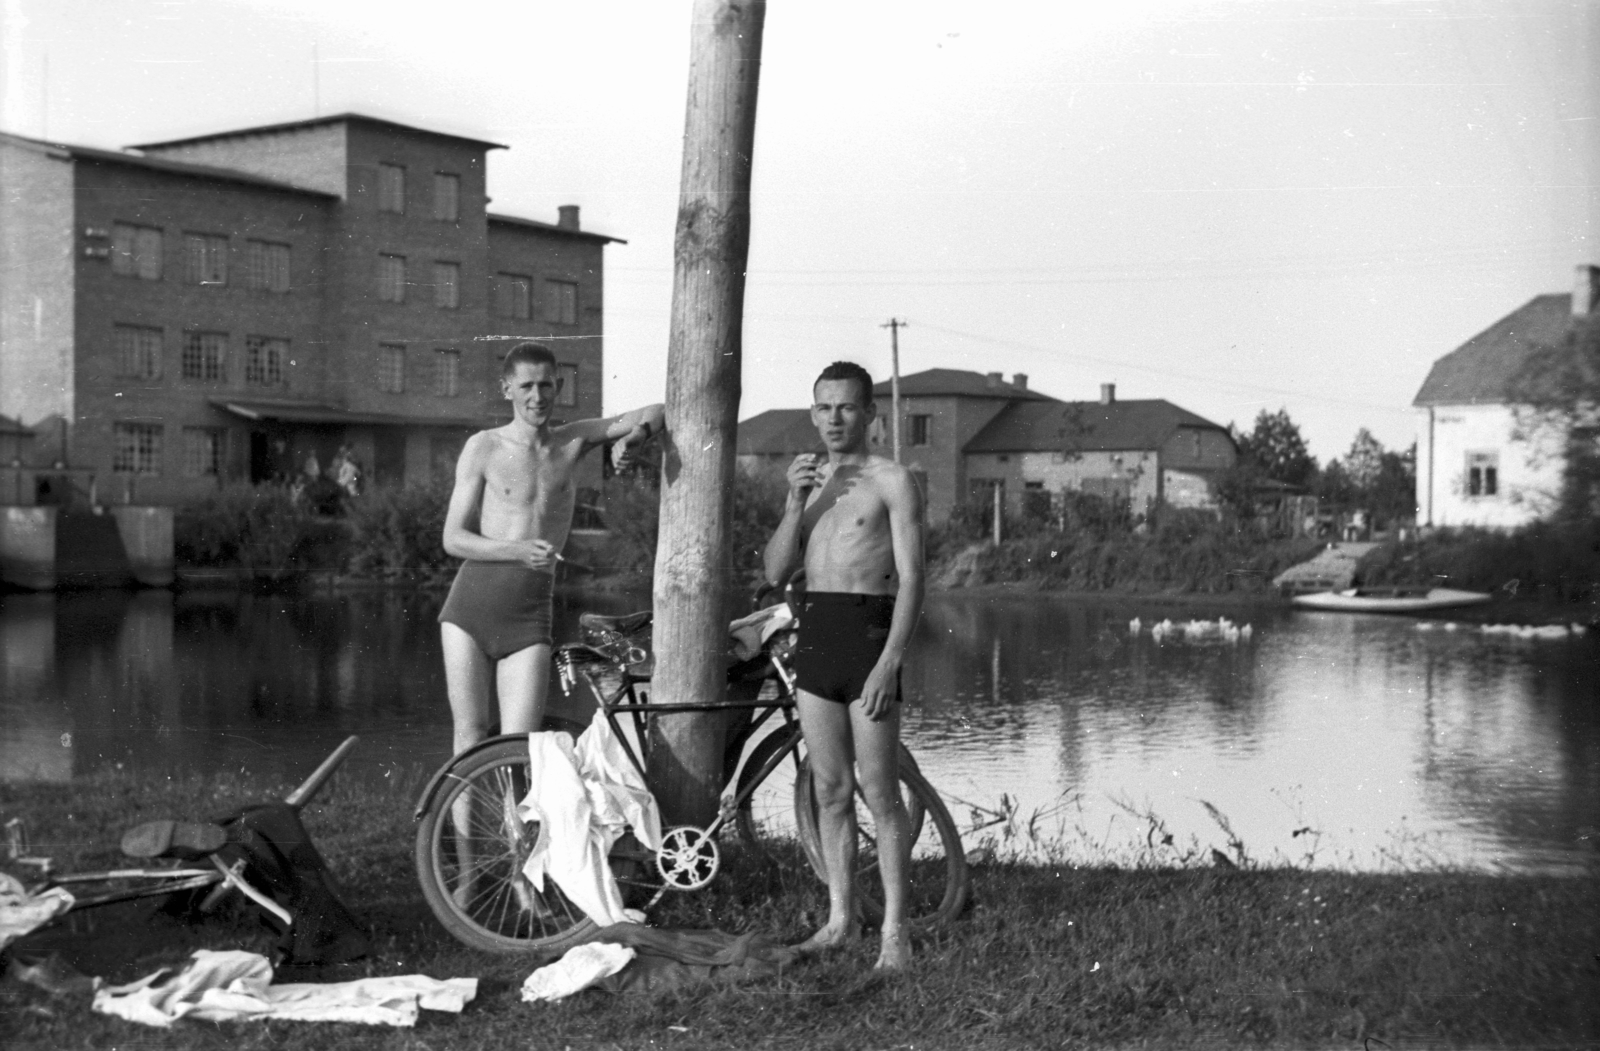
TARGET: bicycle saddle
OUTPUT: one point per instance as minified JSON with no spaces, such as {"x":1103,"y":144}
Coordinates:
{"x":623,"y":625}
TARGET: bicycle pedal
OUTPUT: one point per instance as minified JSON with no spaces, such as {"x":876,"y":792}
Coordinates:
{"x":186,"y":840}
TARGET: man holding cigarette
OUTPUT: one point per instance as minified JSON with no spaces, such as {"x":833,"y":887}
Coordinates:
{"x":854,"y":521}
{"x":509,"y":517}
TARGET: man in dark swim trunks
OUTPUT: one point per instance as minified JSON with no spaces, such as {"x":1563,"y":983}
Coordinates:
{"x":509,"y":517}
{"x":854,"y":521}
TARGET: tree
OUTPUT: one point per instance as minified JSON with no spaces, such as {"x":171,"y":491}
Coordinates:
{"x":1276,"y":446}
{"x":1364,"y":461}
{"x":704,"y":353}
{"x":1557,"y":396}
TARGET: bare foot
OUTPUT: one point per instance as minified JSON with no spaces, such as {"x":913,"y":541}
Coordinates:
{"x":833,"y":936}
{"x":896,"y":952}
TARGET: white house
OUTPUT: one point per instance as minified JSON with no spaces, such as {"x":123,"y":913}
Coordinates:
{"x":1478,"y":464}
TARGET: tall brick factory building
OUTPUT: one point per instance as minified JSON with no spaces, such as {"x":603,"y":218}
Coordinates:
{"x":233,"y":306}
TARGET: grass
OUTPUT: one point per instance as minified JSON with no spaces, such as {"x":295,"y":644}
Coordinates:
{"x":1048,"y":955}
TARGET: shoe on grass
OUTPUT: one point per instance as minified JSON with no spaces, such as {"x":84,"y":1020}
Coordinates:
{"x":186,"y":840}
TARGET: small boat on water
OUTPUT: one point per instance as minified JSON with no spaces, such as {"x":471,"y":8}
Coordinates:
{"x":1391,"y":599}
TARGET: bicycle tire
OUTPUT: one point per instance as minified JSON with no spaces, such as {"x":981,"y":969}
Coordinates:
{"x":938,"y":876}
{"x":489,"y":905}
{"x":767,"y":813}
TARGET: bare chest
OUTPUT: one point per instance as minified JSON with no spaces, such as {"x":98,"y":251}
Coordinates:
{"x":526,"y":477}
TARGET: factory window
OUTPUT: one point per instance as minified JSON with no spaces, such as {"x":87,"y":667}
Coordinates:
{"x":446,"y":373}
{"x":203,"y":354}
{"x":513,"y":295}
{"x":138,"y":352}
{"x":447,"y":285}
{"x":136,"y":251}
{"x":203,"y":449}
{"x":392,"y":368}
{"x":267,"y":267}
{"x":138,"y":448}
{"x":446,"y":197}
{"x":561,"y":302}
{"x":205,"y":259}
{"x":266,"y":360}
{"x":391,"y":188}
{"x":392,"y":278}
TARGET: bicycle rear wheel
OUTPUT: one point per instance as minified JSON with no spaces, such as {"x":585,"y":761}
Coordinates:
{"x":470,"y":848}
{"x":937,"y":879}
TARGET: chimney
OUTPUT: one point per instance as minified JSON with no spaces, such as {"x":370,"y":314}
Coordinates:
{"x":994,"y":379}
{"x":1586,"y":290}
{"x":1020,"y":381}
{"x":1108,"y":393}
{"x":569,"y":217}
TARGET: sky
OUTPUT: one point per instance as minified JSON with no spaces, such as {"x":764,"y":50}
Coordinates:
{"x":1233,"y":206}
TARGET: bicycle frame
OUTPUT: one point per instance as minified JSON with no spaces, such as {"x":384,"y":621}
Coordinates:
{"x":617,"y":657}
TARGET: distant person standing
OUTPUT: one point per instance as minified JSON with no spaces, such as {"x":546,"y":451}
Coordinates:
{"x":854,"y":521}
{"x":345,"y":471}
{"x":509,"y":516}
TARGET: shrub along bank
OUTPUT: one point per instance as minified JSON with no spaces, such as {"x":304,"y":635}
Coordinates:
{"x":1550,"y":562}
{"x":1073,"y":951}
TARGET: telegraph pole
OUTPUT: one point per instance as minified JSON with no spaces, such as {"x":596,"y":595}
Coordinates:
{"x":894,"y":325}
{"x":712,"y":243}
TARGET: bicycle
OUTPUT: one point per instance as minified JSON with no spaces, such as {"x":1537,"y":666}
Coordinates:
{"x":471,"y":844}
{"x":182,"y":870}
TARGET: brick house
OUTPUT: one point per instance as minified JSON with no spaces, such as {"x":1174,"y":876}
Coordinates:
{"x":232,"y":306}
{"x":963,"y":433}
{"x":1477,"y":465}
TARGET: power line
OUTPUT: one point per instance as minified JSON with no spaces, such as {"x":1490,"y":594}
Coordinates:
{"x":1164,"y":372}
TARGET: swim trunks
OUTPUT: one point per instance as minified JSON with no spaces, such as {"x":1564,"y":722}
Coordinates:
{"x":841,"y":637}
{"x":504,"y":606}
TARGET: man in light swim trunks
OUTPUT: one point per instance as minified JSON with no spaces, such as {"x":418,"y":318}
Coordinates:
{"x":509,"y":517}
{"x":854,"y":520}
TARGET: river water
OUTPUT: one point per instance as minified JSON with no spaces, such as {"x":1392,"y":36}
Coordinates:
{"x":1360,"y":742}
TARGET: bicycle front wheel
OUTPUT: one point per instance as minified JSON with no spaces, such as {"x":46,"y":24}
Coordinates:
{"x":470,"y":849}
{"x":937,"y":878}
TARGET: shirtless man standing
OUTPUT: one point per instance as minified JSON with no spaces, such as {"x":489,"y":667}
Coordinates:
{"x":509,"y":517}
{"x":855,"y":522}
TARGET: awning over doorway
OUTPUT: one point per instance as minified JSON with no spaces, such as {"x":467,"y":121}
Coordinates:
{"x":320,"y":413}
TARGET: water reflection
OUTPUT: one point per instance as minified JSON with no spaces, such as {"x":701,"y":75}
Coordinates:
{"x":1377,"y":742}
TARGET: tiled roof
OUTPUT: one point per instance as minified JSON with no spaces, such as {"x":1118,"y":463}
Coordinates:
{"x":337,"y":118}
{"x":551,"y":228}
{"x":1482,"y":369}
{"x":778,"y":432}
{"x":1084,"y":426}
{"x":934,"y":383}
{"x":10,"y":426}
{"x":197,"y":171}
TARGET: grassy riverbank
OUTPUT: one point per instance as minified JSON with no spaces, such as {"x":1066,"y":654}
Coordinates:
{"x":1049,"y":955}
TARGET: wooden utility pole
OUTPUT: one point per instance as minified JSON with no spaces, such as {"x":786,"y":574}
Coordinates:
{"x":894,"y":325}
{"x":693,"y":563}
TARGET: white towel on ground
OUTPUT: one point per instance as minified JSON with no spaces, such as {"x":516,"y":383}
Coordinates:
{"x":236,"y":986}
{"x":21,"y":912}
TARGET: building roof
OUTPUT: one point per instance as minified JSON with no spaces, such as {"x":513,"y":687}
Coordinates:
{"x":10,"y":427}
{"x":337,"y":118}
{"x":1485,"y":367}
{"x":778,"y":432}
{"x":552,"y":228}
{"x":934,"y":383}
{"x":1084,"y":426}
{"x":90,"y":154}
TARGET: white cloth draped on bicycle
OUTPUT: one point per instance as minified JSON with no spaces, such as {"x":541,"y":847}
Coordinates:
{"x":752,"y":632}
{"x":582,"y":795}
